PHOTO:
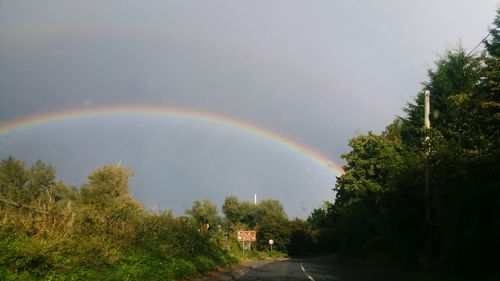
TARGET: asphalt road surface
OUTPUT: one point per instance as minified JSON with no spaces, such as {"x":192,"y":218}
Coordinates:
{"x":305,"y":269}
{"x":312,"y":269}
{"x":316,"y":269}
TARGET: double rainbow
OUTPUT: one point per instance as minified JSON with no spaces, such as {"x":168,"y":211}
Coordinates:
{"x":159,"y":111}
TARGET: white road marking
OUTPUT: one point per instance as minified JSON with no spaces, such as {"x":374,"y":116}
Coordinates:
{"x":305,"y":272}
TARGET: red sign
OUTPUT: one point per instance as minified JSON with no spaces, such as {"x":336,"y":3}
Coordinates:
{"x":247,"y":236}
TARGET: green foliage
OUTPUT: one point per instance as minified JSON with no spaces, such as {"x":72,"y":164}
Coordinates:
{"x":240,"y":212}
{"x":22,"y":184}
{"x":232,"y":210}
{"x":105,"y":185}
{"x":13,"y":179}
{"x":204,"y":212}
{"x":493,"y":45}
{"x":323,"y":228}
{"x":318,"y":217}
{"x":360,"y":209}
{"x":268,"y":218}
{"x":301,"y":238}
{"x":380,"y":208}
{"x":372,"y":162}
{"x":49,"y":231}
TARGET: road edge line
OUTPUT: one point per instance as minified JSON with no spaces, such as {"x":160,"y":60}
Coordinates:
{"x":305,"y":272}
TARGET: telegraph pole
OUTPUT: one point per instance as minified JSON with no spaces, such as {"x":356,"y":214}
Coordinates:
{"x":427,"y":194}
{"x":427,"y":126}
{"x":427,"y":109}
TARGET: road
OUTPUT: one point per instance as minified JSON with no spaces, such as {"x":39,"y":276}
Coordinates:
{"x":311,"y":269}
{"x":305,"y":269}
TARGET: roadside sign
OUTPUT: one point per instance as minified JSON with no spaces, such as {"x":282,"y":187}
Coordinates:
{"x":271,"y":242}
{"x":247,"y":235}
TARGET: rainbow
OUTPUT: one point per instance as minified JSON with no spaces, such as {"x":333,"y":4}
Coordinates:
{"x":161,"y":111}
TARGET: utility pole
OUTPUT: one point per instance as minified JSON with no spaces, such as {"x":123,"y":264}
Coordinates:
{"x":427,"y":126}
{"x":427,"y":194}
{"x":427,"y":109}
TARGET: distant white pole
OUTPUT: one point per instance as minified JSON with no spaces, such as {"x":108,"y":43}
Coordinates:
{"x":255,"y":199}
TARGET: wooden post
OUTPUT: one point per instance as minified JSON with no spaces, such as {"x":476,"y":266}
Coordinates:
{"x":428,"y":191}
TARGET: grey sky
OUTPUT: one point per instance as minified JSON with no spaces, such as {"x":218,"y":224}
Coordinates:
{"x":318,"y":72}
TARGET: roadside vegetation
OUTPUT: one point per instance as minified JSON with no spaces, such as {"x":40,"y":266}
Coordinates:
{"x":98,"y":232}
{"x":382,"y":213}
{"x":51,"y":231}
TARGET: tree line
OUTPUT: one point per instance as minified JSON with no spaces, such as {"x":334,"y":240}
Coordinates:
{"x":380,"y":206}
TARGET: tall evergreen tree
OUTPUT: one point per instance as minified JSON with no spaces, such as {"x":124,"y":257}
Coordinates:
{"x":493,"y":45}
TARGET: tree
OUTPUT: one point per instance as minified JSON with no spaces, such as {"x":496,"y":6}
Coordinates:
{"x":379,"y":205}
{"x":455,"y":73}
{"x":204,"y":212}
{"x":323,"y":228}
{"x":41,"y":180}
{"x":301,"y":241}
{"x":493,"y":45}
{"x":107,"y":184}
{"x":231,"y":209}
{"x":489,"y":88}
{"x":240,"y":212}
{"x":13,"y":180}
{"x":23,"y":184}
{"x":318,"y":218}
{"x":272,"y":223}
{"x":372,"y":162}
{"x":107,"y":205}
